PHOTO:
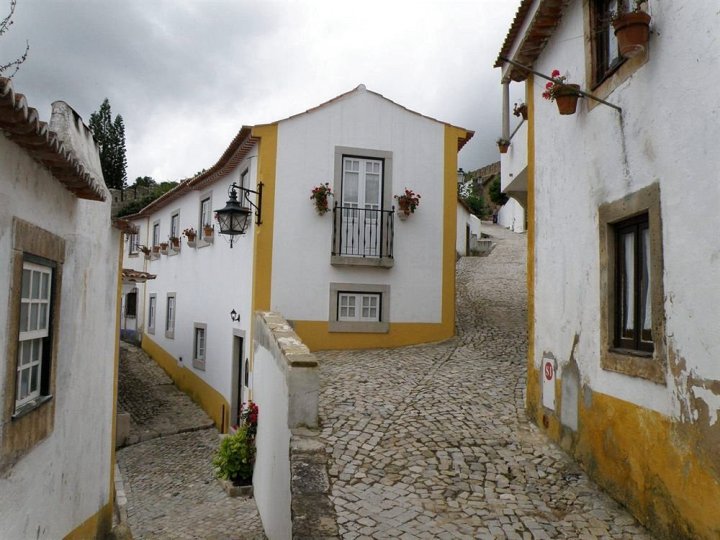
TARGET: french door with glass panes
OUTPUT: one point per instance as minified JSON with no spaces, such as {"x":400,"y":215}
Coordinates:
{"x":361,"y":221}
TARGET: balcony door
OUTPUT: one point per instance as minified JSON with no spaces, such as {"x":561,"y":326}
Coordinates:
{"x":362,"y":205}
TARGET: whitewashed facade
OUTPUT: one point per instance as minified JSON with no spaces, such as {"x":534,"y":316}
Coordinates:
{"x":58,"y":295}
{"x":636,"y":400}
{"x":351,"y":278}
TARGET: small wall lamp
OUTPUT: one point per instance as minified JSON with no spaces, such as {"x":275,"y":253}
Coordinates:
{"x":235,"y":316}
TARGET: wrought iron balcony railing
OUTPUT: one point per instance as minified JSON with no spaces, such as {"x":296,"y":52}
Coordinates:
{"x":362,"y":232}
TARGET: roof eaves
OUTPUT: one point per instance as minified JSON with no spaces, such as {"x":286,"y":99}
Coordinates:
{"x":22,"y":125}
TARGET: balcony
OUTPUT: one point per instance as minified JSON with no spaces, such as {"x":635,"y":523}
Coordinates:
{"x":514,"y":165}
{"x":362,"y":236}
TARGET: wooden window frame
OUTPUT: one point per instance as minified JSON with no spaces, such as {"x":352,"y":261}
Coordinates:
{"x":199,"y":360}
{"x":170,"y":315}
{"x":152,"y":313}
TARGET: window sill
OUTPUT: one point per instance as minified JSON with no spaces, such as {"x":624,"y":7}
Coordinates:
{"x":205,"y":242}
{"x":170,"y":334}
{"x":198,"y":364}
{"x":31,"y":406}
{"x":359,"y":327}
{"x":641,"y":364}
{"x":378,"y":262}
{"x":133,"y":255}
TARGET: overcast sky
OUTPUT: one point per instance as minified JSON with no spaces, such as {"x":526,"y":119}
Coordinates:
{"x":186,"y":75}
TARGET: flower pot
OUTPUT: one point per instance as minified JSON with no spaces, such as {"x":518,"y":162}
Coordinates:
{"x":566,"y":98}
{"x":503,"y":147}
{"x":632,"y":30}
{"x":522,"y":110}
{"x":156,"y":249}
{"x":176,"y":244}
{"x":208,"y":230}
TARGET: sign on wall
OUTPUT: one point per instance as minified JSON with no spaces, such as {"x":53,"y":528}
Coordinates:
{"x":548,"y":385}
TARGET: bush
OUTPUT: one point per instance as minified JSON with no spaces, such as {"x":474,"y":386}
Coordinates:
{"x":235,"y":458}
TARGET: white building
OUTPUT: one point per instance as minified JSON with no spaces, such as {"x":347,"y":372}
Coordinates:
{"x":358,"y":276}
{"x":58,"y":292}
{"x":623,"y":364}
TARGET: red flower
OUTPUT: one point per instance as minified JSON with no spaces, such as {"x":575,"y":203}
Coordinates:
{"x":555,"y":73}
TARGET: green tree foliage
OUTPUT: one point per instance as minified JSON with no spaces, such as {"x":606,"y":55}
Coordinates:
{"x":497,"y":196}
{"x":155,"y":192}
{"x":9,"y":69}
{"x":145,"y":181}
{"x":110,"y":136}
{"x":477,"y":205}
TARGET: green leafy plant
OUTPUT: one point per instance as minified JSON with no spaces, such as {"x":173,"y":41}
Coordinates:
{"x":408,"y":201}
{"x":319,"y":196}
{"x":235,"y":457}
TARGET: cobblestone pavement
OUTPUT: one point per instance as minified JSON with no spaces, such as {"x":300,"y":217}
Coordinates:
{"x":168,"y":478}
{"x":432,"y":441}
{"x":156,"y":406}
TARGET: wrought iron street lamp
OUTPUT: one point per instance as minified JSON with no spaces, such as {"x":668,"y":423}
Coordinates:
{"x":235,"y":217}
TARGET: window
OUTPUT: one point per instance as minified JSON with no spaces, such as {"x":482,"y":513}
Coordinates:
{"x":170,"y":316}
{"x":133,"y":244}
{"x":604,"y":67}
{"x":156,"y":234}
{"x":131,"y":304}
{"x":631,"y":289}
{"x":606,"y":56}
{"x":205,"y":215}
{"x":34,"y":335}
{"x":245,"y":178}
{"x":363,"y":220}
{"x":633,"y":319}
{"x":199,"y":343}
{"x":359,"y":307}
{"x":152,"y":313}
{"x":32,"y":319}
{"x":175,"y":225}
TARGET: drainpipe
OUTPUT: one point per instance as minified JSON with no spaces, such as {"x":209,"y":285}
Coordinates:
{"x":506,"y":110}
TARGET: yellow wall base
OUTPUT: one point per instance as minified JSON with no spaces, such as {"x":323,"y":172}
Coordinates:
{"x":96,"y":526}
{"x":316,"y":336}
{"x":643,"y":460}
{"x":211,"y":401}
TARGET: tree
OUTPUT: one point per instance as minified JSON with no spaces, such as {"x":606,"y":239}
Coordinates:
{"x":145,"y":181}
{"x":110,"y":136}
{"x":5,"y":25}
{"x":497,"y":196}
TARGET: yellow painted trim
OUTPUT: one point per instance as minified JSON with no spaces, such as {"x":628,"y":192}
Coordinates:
{"x":96,"y":526}
{"x":642,"y":458}
{"x":262,"y":259}
{"x":316,"y":336}
{"x":211,"y":401}
{"x":533,"y":375}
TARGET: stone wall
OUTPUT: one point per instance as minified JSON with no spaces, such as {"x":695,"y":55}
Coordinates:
{"x":290,"y":481}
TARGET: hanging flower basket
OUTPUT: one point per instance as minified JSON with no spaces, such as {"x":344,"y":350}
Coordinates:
{"x":319,"y":196}
{"x":632,"y":30}
{"x":567,"y":97}
{"x":407,"y":203}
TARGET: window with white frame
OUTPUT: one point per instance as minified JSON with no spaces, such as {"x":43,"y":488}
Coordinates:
{"x":175,"y":225}
{"x":358,"y":307}
{"x":152,"y":313}
{"x":245,"y":178}
{"x":199,"y":343}
{"x":133,"y":241}
{"x":156,"y":234}
{"x":205,"y":214}
{"x":170,"y":316}
{"x":33,"y":339}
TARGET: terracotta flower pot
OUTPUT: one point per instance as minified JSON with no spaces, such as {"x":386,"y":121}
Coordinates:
{"x":503,"y":148}
{"x":208,"y":230}
{"x":567,"y":97}
{"x":632,"y":30}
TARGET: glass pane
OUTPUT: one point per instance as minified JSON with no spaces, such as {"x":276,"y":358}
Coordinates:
{"x":366,"y":312}
{"x":372,"y":191}
{"x":646,"y":315}
{"x":24,"y":383}
{"x":33,"y":316}
{"x":34,"y":379}
{"x":350,"y":188}
{"x":343,"y":312}
{"x":42,"y":322}
{"x":628,"y":262}
{"x":35,"y":285}
{"x":45,"y":294}
{"x":27,"y":274}
{"x":25,"y":354}
{"x":24,"y":310}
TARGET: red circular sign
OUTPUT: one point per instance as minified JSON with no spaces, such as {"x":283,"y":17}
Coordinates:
{"x":548,"y":371}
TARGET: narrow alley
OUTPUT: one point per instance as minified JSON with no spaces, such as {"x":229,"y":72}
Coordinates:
{"x":433,"y":441}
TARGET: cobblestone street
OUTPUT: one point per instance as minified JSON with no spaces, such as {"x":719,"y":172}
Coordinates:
{"x":433,"y":441}
{"x":169,"y":483}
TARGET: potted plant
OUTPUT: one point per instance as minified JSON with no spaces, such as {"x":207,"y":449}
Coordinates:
{"x":190,"y":233}
{"x":235,"y":458}
{"x":503,"y":145}
{"x":521,"y":109}
{"x":407,"y":203}
{"x":175,"y":242}
{"x":164,"y":248}
{"x":564,"y":94}
{"x":156,"y":249}
{"x":145,"y":250}
{"x":319,"y":196}
{"x":208,"y":230}
{"x":632,"y":29}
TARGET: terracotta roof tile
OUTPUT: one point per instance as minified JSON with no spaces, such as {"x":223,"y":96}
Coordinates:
{"x":136,"y":276}
{"x":22,"y":125}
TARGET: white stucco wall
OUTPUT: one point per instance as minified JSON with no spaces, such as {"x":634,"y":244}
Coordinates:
{"x":302,"y":239}
{"x":209,"y":283}
{"x":511,"y":215}
{"x":465,"y":219}
{"x":593,"y":157}
{"x":65,"y":479}
{"x":271,"y":477}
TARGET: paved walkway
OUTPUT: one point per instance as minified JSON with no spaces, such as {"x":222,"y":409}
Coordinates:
{"x":169,"y":483}
{"x":433,"y":441}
